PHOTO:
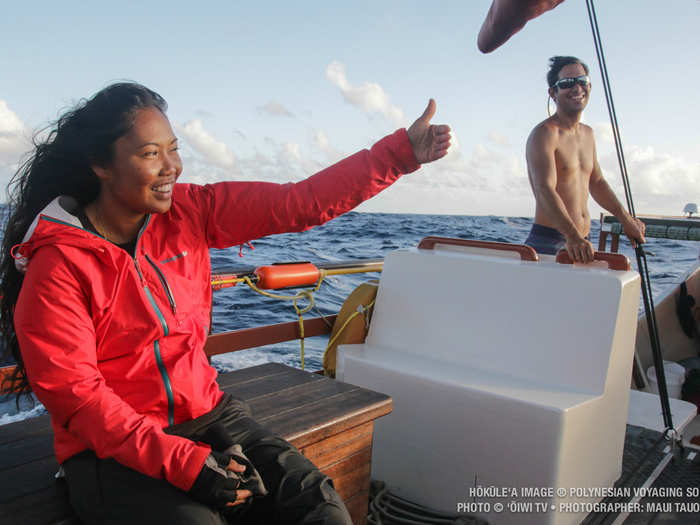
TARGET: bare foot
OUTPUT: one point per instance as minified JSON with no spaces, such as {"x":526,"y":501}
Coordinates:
{"x":507,"y":17}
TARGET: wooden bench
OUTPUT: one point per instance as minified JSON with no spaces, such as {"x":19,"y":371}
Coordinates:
{"x":329,"y":421}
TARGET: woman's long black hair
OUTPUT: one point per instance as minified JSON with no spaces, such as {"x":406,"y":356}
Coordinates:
{"x":60,"y":164}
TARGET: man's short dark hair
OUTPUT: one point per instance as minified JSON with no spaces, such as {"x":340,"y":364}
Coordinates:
{"x":558,"y":62}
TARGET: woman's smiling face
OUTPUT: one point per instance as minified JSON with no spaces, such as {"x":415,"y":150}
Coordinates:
{"x":145,"y":165}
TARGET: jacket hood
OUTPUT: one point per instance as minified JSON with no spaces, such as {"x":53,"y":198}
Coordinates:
{"x":59,"y":213}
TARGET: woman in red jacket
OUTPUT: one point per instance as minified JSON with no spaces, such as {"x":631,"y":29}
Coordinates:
{"x":105,"y":307}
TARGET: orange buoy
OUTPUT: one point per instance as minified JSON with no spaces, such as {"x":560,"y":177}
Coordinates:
{"x":287,"y":275}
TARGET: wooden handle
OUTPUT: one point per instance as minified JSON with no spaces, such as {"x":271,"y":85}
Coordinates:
{"x":527,"y":253}
{"x":616,"y":261}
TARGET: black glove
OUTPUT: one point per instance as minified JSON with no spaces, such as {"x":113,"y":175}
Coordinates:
{"x":224,"y":449}
{"x":214,"y":486}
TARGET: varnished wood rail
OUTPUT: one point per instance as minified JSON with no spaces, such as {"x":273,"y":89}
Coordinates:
{"x":246,"y":338}
{"x":236,"y":340}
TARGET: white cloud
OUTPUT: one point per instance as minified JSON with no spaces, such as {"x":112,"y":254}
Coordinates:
{"x":14,"y":137}
{"x":9,"y":121}
{"x":484,"y":168}
{"x":14,"y":143}
{"x":208,"y":159}
{"x":660,"y":183}
{"x":322,"y":143}
{"x":212,"y":150}
{"x":274,"y":109}
{"x":459,"y":177}
{"x":292,"y":163}
{"x":499,"y":139}
{"x":485,"y":171}
{"x":603,"y":135}
{"x":321,"y":140}
{"x":369,"y":97}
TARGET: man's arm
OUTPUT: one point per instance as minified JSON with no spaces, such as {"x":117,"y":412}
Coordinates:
{"x":543,"y":176}
{"x":603,"y":194}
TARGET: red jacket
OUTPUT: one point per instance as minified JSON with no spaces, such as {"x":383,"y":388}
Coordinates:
{"x":113,"y":344}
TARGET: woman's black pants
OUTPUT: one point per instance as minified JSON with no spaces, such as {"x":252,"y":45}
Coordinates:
{"x":102,"y":491}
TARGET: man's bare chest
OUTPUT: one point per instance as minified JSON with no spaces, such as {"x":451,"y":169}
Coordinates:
{"x":574,"y":159}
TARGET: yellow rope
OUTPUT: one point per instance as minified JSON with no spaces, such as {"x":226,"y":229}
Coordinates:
{"x":228,"y":281}
{"x":360,"y":310}
{"x":304,"y":294}
{"x":308,"y":295}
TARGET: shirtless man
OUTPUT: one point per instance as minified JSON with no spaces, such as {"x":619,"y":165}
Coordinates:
{"x":563,"y":169}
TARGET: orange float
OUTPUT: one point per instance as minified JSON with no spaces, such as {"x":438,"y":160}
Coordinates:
{"x":287,"y":275}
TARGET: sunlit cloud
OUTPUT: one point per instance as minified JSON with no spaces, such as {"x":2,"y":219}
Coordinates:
{"x":212,"y":150}
{"x":370,"y":97}
{"x":604,"y":137}
{"x":14,"y":136}
{"x":660,"y":183}
{"x":14,"y":143}
{"x":499,"y":139}
{"x":274,"y":109}
{"x":275,"y":161}
{"x":322,"y":143}
{"x":485,"y":168}
{"x":321,"y":140}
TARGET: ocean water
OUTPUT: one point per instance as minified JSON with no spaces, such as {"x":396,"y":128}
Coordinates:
{"x":357,"y":236}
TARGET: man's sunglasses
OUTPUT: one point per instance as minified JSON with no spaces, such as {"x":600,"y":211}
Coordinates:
{"x":569,"y":82}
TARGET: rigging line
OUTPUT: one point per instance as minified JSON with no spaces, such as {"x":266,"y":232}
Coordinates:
{"x":611,"y":109}
{"x":597,"y":40}
{"x":654,"y":338}
{"x":639,"y":250}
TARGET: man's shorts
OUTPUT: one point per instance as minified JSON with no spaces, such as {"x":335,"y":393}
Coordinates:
{"x":545,"y":239}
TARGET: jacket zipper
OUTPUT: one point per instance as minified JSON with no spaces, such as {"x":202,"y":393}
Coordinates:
{"x":164,"y":282}
{"x":159,"y":359}
{"x":156,"y":344}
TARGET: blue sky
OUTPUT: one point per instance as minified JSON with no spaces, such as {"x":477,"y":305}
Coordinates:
{"x":277,"y":90}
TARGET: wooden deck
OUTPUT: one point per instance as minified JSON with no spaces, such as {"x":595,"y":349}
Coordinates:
{"x":329,"y":421}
